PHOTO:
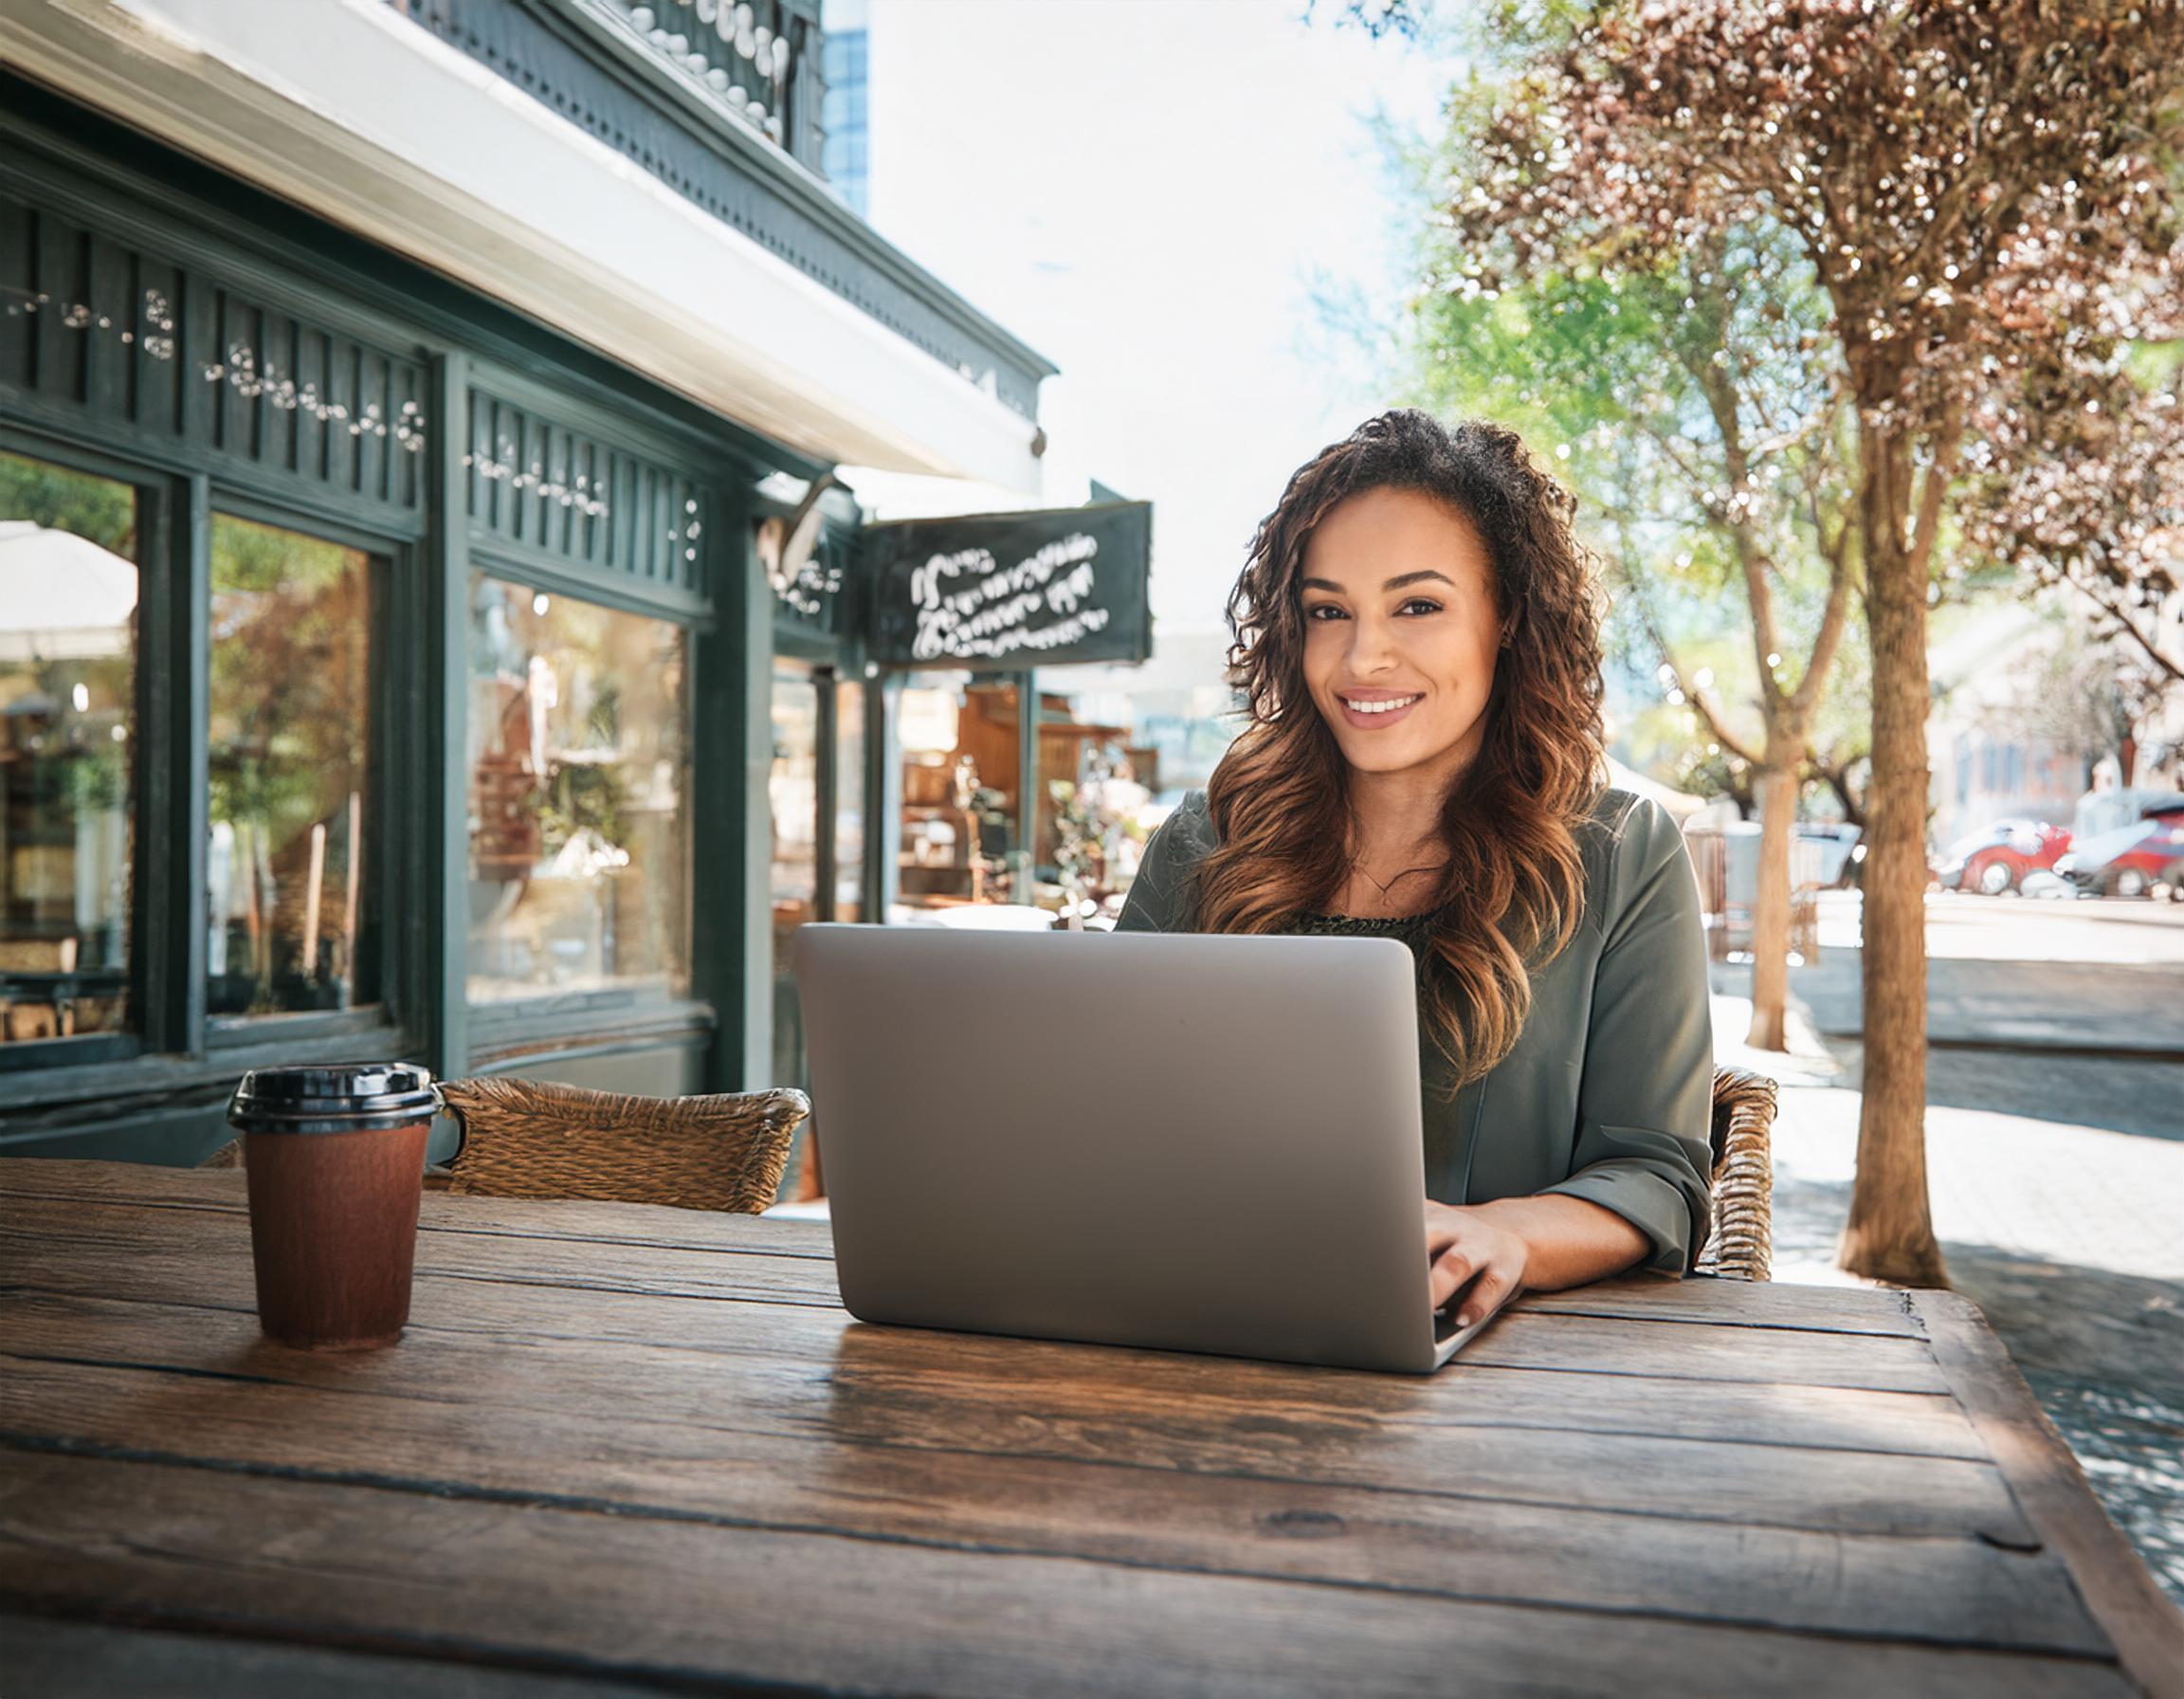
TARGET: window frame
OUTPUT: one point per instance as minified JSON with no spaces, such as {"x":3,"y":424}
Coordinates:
{"x":501,"y":1027}
{"x":176,"y":1046}
{"x":391,"y":566}
{"x":155,"y":495}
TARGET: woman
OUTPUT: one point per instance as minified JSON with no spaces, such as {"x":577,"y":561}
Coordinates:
{"x":1418,"y":641}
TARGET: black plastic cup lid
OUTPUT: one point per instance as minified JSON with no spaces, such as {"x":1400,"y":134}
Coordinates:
{"x":339,"y":1097}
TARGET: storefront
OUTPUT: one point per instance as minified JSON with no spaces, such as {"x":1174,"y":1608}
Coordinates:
{"x":392,"y":664}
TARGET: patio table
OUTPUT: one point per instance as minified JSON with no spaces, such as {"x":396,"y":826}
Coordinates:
{"x":628,"y":1449}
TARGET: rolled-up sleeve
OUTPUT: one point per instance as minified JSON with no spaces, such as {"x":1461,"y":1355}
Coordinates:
{"x":1159,"y":897}
{"x":1645,"y":1101}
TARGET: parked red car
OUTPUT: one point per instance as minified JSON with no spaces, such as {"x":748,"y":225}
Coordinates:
{"x":1998,"y":858}
{"x":2132,"y":860}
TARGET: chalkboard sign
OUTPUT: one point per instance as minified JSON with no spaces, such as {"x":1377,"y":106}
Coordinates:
{"x":1005,"y":592}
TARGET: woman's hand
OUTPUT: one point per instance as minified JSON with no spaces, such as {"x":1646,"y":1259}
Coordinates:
{"x":1466,"y":1244}
{"x":1548,"y":1243}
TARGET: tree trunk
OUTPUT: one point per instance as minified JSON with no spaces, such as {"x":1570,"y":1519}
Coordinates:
{"x":1778,"y":790}
{"x":1890,"y":1233}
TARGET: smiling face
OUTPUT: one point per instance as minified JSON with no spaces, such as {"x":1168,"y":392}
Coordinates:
{"x":1401,"y":631}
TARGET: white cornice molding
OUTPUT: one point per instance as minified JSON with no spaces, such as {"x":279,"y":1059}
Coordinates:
{"x":372,"y":123}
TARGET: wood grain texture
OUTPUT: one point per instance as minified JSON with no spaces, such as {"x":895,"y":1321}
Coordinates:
{"x":639,"y":1597}
{"x":633,"y":1444}
{"x":669,"y":1410}
{"x":2145,"y":1626}
{"x":940,"y":1480}
{"x":54,"y":1659}
{"x":1134,"y":1401}
{"x":1733,"y":1303}
{"x":1691,"y":1349}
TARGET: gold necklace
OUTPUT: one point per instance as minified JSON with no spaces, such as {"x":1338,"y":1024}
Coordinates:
{"x":1360,"y":868}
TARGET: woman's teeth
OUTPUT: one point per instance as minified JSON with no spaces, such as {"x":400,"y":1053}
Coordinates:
{"x":1378,"y":707}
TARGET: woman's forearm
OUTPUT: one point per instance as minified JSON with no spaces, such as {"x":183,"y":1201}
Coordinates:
{"x":1570,"y":1241}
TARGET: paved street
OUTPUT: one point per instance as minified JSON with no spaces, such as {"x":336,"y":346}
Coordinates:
{"x":2097,"y":976}
{"x":2057,"y":1180}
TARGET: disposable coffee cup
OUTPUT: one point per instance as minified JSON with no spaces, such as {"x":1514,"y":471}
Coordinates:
{"x":334,"y":1157}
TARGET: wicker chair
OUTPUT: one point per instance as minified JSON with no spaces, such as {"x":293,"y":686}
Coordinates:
{"x":1741,"y":1244}
{"x":525,"y":1140}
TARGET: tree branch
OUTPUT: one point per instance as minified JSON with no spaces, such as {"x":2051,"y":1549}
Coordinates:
{"x":1721,"y":734}
{"x":2129,"y":627}
{"x":1948,"y":439}
{"x":1833,"y":621}
{"x":1721,"y":401}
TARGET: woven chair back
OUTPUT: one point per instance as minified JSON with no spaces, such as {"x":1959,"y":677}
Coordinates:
{"x":1741,"y":1244}
{"x":525,"y":1140}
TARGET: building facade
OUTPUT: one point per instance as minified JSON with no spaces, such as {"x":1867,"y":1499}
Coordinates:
{"x":414,"y":542}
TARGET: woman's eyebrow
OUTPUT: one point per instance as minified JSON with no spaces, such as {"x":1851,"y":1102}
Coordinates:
{"x":1395,"y":583}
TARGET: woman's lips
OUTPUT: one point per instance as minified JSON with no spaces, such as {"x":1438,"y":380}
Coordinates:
{"x":1374,"y":721}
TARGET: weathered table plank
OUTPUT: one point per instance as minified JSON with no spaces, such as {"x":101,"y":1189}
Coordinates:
{"x":869,"y":1399}
{"x":634,"y":1337}
{"x":1535,"y":1335}
{"x":629,"y":1227}
{"x":1454,"y":1540}
{"x":1785,"y":1488}
{"x":2047,"y":1482}
{"x":411,"y":1571}
{"x":54,"y":1659}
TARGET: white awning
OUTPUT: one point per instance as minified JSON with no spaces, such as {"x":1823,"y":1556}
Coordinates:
{"x":61,"y":596}
{"x":373,"y":122}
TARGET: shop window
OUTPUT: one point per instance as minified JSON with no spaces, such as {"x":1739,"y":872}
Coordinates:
{"x":1092,"y":785}
{"x":849,"y":801}
{"x":960,"y":833}
{"x":68,"y":590}
{"x":793,"y":806}
{"x":293,"y":916}
{"x":580,"y":778}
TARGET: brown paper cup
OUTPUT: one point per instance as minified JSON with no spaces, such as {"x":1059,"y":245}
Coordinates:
{"x":334,"y":1158}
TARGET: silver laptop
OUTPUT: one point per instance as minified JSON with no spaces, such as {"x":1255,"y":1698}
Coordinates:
{"x":1188,"y":1141}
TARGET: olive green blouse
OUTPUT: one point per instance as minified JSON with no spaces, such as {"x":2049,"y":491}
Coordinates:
{"x":1609,"y":1092}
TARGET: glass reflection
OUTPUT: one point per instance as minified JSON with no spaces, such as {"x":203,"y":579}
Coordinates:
{"x":293,"y":919}
{"x":960,"y":809}
{"x":849,"y":801}
{"x":579,"y":765}
{"x":793,"y":804}
{"x":67,"y":692}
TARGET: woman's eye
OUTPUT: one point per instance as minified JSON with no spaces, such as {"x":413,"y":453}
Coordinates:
{"x":1325,"y":612}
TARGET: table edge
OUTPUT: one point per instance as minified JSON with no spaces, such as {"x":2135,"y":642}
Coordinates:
{"x":2044,"y":1476}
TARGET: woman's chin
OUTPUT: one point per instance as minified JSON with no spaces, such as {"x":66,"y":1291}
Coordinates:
{"x":1369,"y":753}
{"x":1388,"y":752}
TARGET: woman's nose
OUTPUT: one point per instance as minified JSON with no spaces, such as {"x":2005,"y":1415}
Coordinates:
{"x":1372,"y":645}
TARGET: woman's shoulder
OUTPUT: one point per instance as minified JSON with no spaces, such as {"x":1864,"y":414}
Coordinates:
{"x":1190,"y":820}
{"x":1627,"y":840}
{"x":1621,"y":816}
{"x":1159,"y":899}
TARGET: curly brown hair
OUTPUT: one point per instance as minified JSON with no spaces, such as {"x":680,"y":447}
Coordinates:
{"x":1513,"y":893}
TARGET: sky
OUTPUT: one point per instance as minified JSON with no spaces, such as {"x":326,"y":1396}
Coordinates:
{"x":1145,"y":192}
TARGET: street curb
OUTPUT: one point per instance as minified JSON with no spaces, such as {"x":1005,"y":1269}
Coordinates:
{"x":2023,"y":1047}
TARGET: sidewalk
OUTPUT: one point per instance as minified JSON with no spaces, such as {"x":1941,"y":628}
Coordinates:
{"x":2014,"y":973}
{"x":2068,"y":1237}
{"x":2104,"y":1007}
{"x":2071,"y":1192}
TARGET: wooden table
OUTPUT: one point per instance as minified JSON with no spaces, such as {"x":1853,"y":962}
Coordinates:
{"x":626,"y":1449}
